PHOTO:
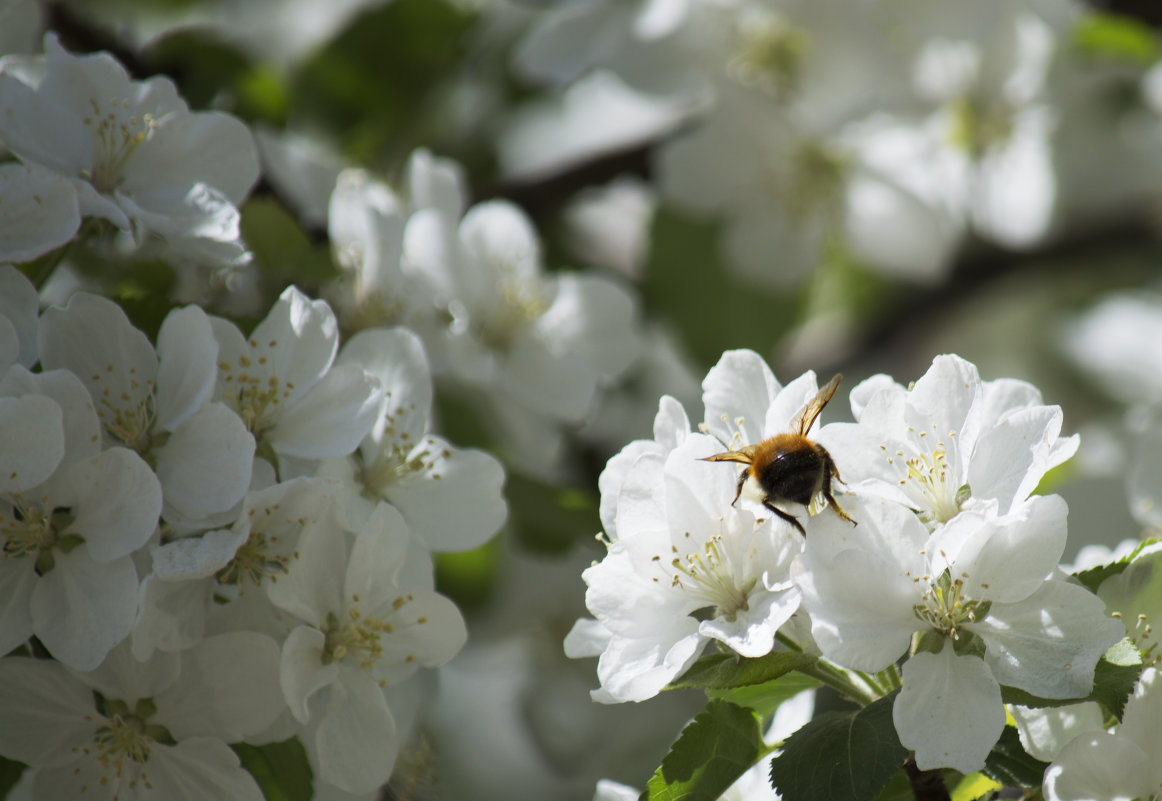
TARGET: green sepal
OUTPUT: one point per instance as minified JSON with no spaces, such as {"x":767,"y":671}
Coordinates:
{"x":281,"y":769}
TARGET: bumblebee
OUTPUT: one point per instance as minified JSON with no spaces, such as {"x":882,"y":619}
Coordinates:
{"x":790,"y":467}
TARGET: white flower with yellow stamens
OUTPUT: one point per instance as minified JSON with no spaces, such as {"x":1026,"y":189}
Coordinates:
{"x":282,"y":384}
{"x":156,"y":402}
{"x":363,"y":627}
{"x":949,"y":441}
{"x":978,"y":604}
{"x":686,"y":568}
{"x":135,"y":154}
{"x":450,"y":497}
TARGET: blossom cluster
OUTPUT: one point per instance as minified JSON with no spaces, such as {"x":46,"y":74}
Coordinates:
{"x":228,"y":538}
{"x":948,"y":569}
{"x":892,"y":132}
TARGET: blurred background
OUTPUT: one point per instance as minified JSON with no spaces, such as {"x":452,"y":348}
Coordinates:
{"x":840,"y":185}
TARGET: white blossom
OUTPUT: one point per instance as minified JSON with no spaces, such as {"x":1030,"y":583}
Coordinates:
{"x":282,"y":383}
{"x":983,"y":589}
{"x":950,"y":440}
{"x":1114,"y":766}
{"x":450,"y":497}
{"x":158,"y":729}
{"x":686,"y":568}
{"x":361,"y":625}
{"x":71,"y":515}
{"x":134,"y":153}
{"x":156,"y":401}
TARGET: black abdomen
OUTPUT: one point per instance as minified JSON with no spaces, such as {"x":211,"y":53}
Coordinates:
{"x":793,"y":475}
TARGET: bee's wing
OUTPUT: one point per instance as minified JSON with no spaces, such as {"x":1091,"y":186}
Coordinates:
{"x":803,"y":421}
{"x":742,"y":455}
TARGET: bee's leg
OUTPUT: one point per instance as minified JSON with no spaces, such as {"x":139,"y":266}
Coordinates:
{"x":834,"y":505}
{"x":831,"y":468}
{"x":834,"y":471}
{"x":790,"y":518}
{"x":741,"y":481}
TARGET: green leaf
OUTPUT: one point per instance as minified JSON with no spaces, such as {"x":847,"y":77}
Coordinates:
{"x":1114,"y":678}
{"x":281,"y":769}
{"x":1113,"y":682}
{"x":376,"y":84}
{"x":973,"y":787}
{"x":281,"y":247}
{"x":765,"y":698}
{"x":1009,"y":763}
{"x":841,"y":756}
{"x":1118,"y":37}
{"x":718,"y":671}
{"x":10,"y":772}
{"x":717,"y":747}
{"x":1093,"y":578}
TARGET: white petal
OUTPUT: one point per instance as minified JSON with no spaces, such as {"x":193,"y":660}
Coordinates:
{"x":435,"y":183}
{"x":306,"y":337}
{"x":1044,"y":732}
{"x":81,"y":428}
{"x":197,"y":557}
{"x":949,"y":710}
{"x":1142,"y":720}
{"x":302,"y":672}
{"x":171,"y":615}
{"x":1099,"y":766}
{"x":117,"y":503}
{"x":206,"y":147}
{"x":17,"y":579}
{"x":332,"y":418}
{"x":32,"y":441}
{"x":740,"y":385}
{"x":1049,"y":643}
{"x":202,"y":768}
{"x":188,"y":356}
{"x":20,"y":305}
{"x":38,"y":211}
{"x":82,"y":608}
{"x":637,"y":669}
{"x":456,"y":505}
{"x":204,"y":467}
{"x":395,"y":356}
{"x":229,"y":688}
{"x":502,"y":238}
{"x":313,"y":586}
{"x":356,"y":743}
{"x":45,"y":711}
{"x":1004,"y":559}
{"x":942,"y":398}
{"x":587,"y":638}
{"x":121,"y":675}
{"x":93,"y":338}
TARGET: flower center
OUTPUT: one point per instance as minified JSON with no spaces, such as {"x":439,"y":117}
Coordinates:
{"x":945,"y":608}
{"x":519,"y":304}
{"x":707,"y":574}
{"x":34,"y":532}
{"x":116,"y":134}
{"x":931,"y":478}
{"x":362,"y":637}
{"x":768,"y":54}
{"x":128,"y":735}
{"x":817,"y":177}
{"x":127,"y":420}
{"x":255,"y":561}
{"x":257,"y":398}
{"x":977,"y":126}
